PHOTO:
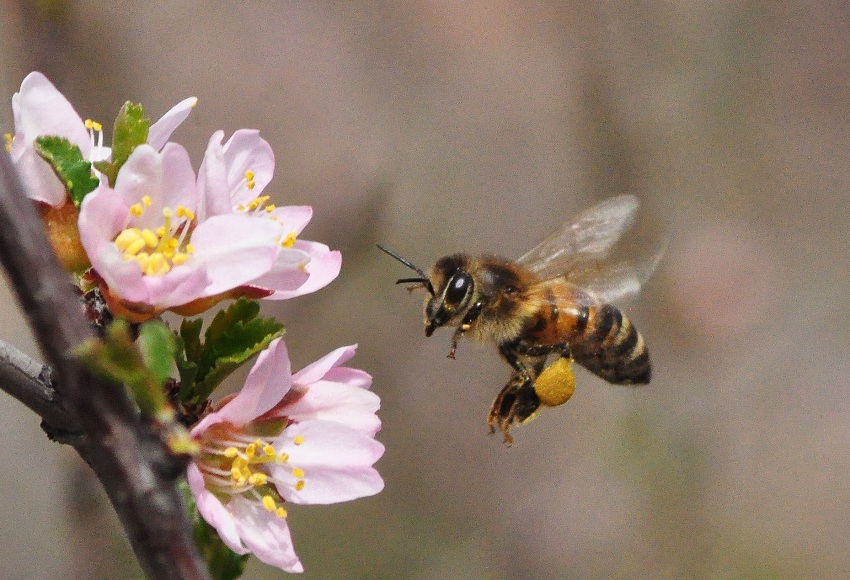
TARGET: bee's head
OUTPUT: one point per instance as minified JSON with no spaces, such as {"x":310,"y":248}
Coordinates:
{"x":454,"y":286}
{"x":449,"y":284}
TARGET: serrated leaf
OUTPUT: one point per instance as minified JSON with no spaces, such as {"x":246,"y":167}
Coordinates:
{"x":190,"y":334}
{"x":69,"y":165}
{"x":130,"y":131}
{"x":235,"y":335}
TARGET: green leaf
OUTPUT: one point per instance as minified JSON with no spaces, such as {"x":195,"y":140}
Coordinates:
{"x":223,"y":563}
{"x":158,"y":346}
{"x":68,"y":164}
{"x":130,"y":131}
{"x":235,"y":335}
{"x":116,"y":357}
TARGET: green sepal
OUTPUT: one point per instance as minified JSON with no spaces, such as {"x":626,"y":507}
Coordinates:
{"x":69,"y":165}
{"x":130,"y":130}
{"x":222,"y":562}
{"x":235,"y":335}
{"x":119,"y":358}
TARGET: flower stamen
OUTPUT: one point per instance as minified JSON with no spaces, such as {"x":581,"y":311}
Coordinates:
{"x":157,"y":251}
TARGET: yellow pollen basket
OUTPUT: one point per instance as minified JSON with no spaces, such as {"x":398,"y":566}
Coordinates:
{"x":556,"y":384}
{"x":157,"y":252}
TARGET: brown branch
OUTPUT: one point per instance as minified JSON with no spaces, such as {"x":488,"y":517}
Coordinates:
{"x":127,"y":456}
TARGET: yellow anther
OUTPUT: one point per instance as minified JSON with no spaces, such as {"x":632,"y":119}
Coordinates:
{"x":269,"y":450}
{"x":93,"y":125}
{"x":147,"y":201}
{"x":136,"y":209}
{"x":298,"y":472}
{"x":126,"y":237}
{"x":157,"y":265}
{"x":280,"y":512}
{"x":289,"y":241}
{"x":231,"y":452}
{"x":150,"y":238}
{"x":300,"y":485}
{"x":135,"y":246}
{"x":270,"y":208}
{"x":283,"y":458}
{"x":160,"y":231}
{"x":251,"y":450}
{"x":179,"y":259}
{"x":269,"y":503}
{"x":258,"y":479}
{"x":190,"y":249}
{"x":299,"y":439}
{"x":249,"y":175}
{"x":8,"y":139}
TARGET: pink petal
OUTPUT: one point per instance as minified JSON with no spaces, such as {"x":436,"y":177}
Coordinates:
{"x":38,"y":177}
{"x":317,"y":370}
{"x":293,"y":218}
{"x":213,"y":511}
{"x":40,"y":109}
{"x":166,"y":177}
{"x":352,"y":406}
{"x":336,"y":460}
{"x":235,"y":249}
{"x":160,"y":131}
{"x":323,"y":268}
{"x":103,"y":214}
{"x":266,"y":535}
{"x":352,"y":377}
{"x":181,"y":285}
{"x":266,"y":384}
{"x":247,"y":151}
{"x":213,"y":189}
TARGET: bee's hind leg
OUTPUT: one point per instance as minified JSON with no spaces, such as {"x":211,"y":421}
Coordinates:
{"x":516,"y":403}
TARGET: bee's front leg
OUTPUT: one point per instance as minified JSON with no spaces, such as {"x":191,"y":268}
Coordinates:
{"x":471,"y":316}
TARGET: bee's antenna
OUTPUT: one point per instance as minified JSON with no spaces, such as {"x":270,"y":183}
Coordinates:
{"x":422,"y":280}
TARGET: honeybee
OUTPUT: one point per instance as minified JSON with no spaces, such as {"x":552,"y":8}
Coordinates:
{"x":552,"y":303}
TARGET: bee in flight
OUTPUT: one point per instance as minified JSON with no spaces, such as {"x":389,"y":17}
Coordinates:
{"x":552,"y":304}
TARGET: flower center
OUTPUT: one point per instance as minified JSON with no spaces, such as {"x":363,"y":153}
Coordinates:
{"x":157,"y":251}
{"x":235,"y":463}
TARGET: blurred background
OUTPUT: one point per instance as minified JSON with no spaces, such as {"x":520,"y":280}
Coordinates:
{"x":443,"y":125}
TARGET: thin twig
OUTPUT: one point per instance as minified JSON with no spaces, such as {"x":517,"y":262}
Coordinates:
{"x":127,"y":456}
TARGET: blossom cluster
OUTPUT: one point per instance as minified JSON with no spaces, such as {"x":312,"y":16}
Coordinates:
{"x":158,"y":236}
{"x":161,"y":237}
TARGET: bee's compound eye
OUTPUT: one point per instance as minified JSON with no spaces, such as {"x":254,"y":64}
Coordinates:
{"x":458,"y":287}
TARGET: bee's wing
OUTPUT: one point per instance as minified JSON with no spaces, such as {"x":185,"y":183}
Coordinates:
{"x":615,"y":282}
{"x":580,"y":251}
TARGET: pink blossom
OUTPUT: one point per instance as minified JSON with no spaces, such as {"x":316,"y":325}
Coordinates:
{"x":306,"y":438}
{"x":231,"y":180}
{"x":151,"y":251}
{"x":40,"y":110}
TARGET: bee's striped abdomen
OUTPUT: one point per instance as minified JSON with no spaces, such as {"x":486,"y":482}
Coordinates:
{"x":611,"y":347}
